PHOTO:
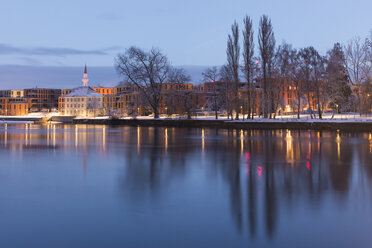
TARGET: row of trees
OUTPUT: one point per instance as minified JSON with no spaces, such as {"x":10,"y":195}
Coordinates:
{"x":254,"y":81}
{"x":319,"y":81}
{"x":149,"y":70}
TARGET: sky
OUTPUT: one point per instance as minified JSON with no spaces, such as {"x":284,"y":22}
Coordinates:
{"x":193,"y":32}
{"x":74,"y":32}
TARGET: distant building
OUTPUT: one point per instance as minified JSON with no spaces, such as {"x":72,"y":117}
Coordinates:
{"x":105,"y":91}
{"x":14,"y":106}
{"x":81,"y":101}
{"x":5,"y":93}
{"x":17,"y":93}
{"x":43,"y":99}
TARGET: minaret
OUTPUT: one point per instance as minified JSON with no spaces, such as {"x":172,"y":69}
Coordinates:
{"x":85,"y":78}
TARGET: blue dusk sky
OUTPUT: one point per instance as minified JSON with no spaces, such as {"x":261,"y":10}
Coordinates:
{"x":73,"y":32}
{"x":193,"y":32}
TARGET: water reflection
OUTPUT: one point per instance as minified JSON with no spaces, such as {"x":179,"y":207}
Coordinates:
{"x":268,"y":179}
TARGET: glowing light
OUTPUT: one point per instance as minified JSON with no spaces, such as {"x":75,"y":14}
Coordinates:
{"x":26,"y":134}
{"x":308,"y":165}
{"x":247,"y":156}
{"x":138,"y":139}
{"x":288,"y":108}
{"x":6,"y":135}
{"x":370,"y":142}
{"x":203,"y":142}
{"x":104,"y":138}
{"x":48,"y":136}
{"x":259,"y":171}
{"x":241,"y":141}
{"x":338,"y":140}
{"x":76,"y":136}
{"x":290,"y":153}
{"x":54,"y":135}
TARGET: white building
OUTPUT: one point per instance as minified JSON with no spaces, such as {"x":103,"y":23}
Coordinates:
{"x":82,"y":101}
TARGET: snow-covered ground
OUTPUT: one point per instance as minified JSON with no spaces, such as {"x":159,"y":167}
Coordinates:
{"x":31,"y":115}
{"x":18,"y":121}
{"x":92,"y":118}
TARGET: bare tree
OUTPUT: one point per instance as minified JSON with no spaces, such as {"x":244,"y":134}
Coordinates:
{"x":309,"y":62}
{"x":182,"y":92}
{"x":226,"y":77}
{"x":317,"y":77}
{"x":148,"y":70}
{"x":356,"y":61}
{"x":248,"y":66}
{"x":295,"y":72}
{"x":266,"y":41}
{"x":233,"y":54}
{"x":282,"y":68}
{"x":216,"y":90}
{"x":211,"y":74}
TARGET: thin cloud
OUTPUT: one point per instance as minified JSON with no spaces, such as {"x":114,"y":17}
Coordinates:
{"x":52,"y":51}
{"x":30,"y":61}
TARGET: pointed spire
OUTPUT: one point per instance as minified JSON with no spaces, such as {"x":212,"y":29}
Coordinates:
{"x":85,"y":77}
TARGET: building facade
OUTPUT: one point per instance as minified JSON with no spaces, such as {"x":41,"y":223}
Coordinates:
{"x":81,"y":101}
{"x":43,"y":99}
{"x":14,"y":106}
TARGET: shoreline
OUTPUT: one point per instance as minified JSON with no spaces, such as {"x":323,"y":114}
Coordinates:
{"x":229,"y":124}
{"x":263,"y":124}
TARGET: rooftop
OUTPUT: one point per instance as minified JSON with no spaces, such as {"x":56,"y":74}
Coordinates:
{"x":83,"y":91}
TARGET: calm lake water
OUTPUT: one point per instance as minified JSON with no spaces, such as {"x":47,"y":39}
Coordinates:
{"x":99,"y":186}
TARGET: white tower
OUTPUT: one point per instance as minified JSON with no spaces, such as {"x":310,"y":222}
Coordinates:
{"x":85,"y":78}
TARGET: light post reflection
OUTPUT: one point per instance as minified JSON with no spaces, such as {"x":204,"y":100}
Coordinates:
{"x":338,"y":141}
{"x":138,"y":139}
{"x":5,"y":134}
{"x":48,"y":127}
{"x":54,"y":135}
{"x":166,"y":139}
{"x":76,"y":135}
{"x":104,"y":138}
{"x":289,"y":150}
{"x":241,"y":141}
{"x":203,"y":141}
{"x":26,"y":134}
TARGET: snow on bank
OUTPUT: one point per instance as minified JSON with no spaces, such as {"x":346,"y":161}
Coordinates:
{"x":340,"y":118}
{"x":15,"y":122}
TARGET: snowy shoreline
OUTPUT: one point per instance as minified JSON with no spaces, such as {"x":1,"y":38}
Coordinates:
{"x":339,"y":122}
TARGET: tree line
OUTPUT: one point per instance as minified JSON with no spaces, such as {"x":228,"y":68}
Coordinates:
{"x":254,"y":81}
